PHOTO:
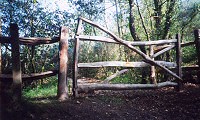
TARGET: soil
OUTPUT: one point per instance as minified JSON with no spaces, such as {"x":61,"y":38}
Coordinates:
{"x":161,"y":104}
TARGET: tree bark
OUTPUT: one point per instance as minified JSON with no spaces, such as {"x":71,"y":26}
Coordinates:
{"x":62,"y":76}
{"x":135,"y":36}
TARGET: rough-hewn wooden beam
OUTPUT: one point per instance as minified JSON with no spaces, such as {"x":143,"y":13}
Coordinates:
{"x":179,"y":60}
{"x":90,"y":87}
{"x":16,"y":66}
{"x":32,"y":76}
{"x":62,"y":76}
{"x":163,"y":51}
{"x":123,"y":64}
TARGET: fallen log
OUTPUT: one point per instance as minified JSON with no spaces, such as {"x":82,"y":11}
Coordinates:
{"x":123,"y":64}
{"x":90,"y":87}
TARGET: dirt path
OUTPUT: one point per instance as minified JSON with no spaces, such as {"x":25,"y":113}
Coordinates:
{"x":120,"y":105}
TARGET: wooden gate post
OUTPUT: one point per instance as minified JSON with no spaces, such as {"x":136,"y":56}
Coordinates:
{"x":16,"y":65}
{"x":178,"y":60}
{"x":197,"y":43}
{"x":75,"y":59}
{"x":62,"y":76}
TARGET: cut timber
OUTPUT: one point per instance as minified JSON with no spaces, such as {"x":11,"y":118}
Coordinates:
{"x":89,"y":87}
{"x":157,"y":42}
{"x":115,"y":75}
{"x":135,"y":43}
{"x":30,"y":40}
{"x":187,"y":44}
{"x":63,"y":58}
{"x":32,"y":76}
{"x":123,"y":64}
{"x":96,"y":38}
{"x":37,"y":41}
{"x":163,"y":51}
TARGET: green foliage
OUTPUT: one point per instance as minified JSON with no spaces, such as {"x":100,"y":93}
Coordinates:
{"x":132,"y":77}
{"x":189,"y":56}
{"x":47,"y":89}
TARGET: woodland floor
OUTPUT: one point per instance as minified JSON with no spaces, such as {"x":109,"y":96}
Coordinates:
{"x":160,"y":104}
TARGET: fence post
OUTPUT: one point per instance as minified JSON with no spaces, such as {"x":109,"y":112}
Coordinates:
{"x":16,"y":65}
{"x":62,"y":76}
{"x":178,"y":60}
{"x":152,"y":68}
{"x":75,"y":59}
{"x":197,"y":43}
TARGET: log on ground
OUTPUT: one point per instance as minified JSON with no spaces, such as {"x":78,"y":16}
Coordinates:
{"x":90,"y":87}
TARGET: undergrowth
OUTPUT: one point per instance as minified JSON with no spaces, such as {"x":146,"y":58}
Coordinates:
{"x":46,"y":89}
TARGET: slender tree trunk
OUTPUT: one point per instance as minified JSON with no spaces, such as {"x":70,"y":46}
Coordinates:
{"x":168,"y":18}
{"x":157,"y":17}
{"x":135,"y":36}
{"x":117,"y":15}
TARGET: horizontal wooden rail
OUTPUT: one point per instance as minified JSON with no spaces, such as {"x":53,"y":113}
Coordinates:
{"x":32,"y":76}
{"x":123,"y":64}
{"x":135,"y":43}
{"x":94,"y":86}
{"x":31,"y":40}
{"x":187,"y":44}
{"x":96,"y":38}
{"x":187,"y":68}
{"x":37,"y":41}
{"x":157,"y":42}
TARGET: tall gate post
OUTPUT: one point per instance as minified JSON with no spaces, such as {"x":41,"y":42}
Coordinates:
{"x":75,"y":59}
{"x":62,"y":76}
{"x":197,"y":43}
{"x":16,"y":65}
{"x":179,"y":60}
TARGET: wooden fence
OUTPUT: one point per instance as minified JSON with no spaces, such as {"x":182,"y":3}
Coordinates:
{"x":148,"y":60}
{"x":17,"y":77}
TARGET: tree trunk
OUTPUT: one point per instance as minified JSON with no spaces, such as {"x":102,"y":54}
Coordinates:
{"x":135,"y":36}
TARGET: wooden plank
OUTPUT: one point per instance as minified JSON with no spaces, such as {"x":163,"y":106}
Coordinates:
{"x":30,"y":40}
{"x":187,"y":44}
{"x":188,"y":68}
{"x":90,"y":87}
{"x":157,"y":42}
{"x":32,"y":76}
{"x":178,"y":60}
{"x":75,"y":68}
{"x":96,"y":38}
{"x":62,"y":76}
{"x":152,"y":69}
{"x":163,"y":51}
{"x":123,"y":64}
{"x":16,"y":65}
{"x":37,"y":41}
{"x":135,"y":43}
{"x":78,"y":28}
{"x":197,"y":43}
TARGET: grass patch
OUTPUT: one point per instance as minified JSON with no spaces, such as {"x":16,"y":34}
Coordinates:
{"x":46,"y":89}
